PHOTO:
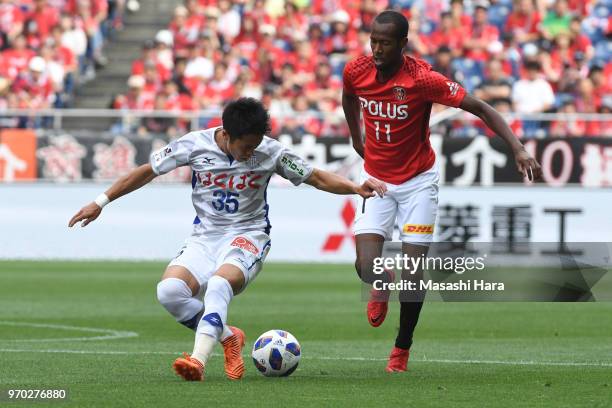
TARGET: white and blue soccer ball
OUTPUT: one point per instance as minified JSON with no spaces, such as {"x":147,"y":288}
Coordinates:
{"x":276,"y":353}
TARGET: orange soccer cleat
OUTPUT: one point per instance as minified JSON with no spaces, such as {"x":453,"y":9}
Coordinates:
{"x":189,"y":368}
{"x":379,"y":304}
{"x":232,"y":349}
{"x":398,"y":360}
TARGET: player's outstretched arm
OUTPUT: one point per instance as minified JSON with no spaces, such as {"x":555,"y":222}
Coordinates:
{"x":526,"y":164}
{"x":333,"y":183}
{"x":126,"y":184}
{"x":350,"y":105}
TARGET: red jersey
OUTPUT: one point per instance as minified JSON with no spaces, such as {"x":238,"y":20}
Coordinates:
{"x":396,"y":115}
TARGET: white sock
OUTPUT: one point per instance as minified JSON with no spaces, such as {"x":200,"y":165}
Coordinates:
{"x":175,"y":295}
{"x":226,"y":333}
{"x":203,"y":347}
{"x":212,"y":327}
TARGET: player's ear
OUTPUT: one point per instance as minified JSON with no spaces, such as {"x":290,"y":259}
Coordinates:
{"x":403,"y":43}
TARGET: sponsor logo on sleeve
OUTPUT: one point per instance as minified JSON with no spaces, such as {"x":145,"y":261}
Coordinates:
{"x":292,"y":166}
{"x":161,"y":153}
{"x":243,"y":243}
{"x":418,"y":228}
{"x":453,"y":88}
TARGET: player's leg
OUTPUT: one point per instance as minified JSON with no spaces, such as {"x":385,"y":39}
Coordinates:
{"x":177,"y":291}
{"x":240,"y":260}
{"x":372,"y":227}
{"x":418,"y":204}
{"x":410,"y":309}
{"x":219,"y":292}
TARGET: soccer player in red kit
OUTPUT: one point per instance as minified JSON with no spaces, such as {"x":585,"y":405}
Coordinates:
{"x":395,"y":92}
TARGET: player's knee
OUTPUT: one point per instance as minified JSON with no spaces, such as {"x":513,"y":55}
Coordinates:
{"x":172,"y":293}
{"x":365,"y":268}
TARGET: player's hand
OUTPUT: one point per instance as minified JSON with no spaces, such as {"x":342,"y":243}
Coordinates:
{"x":86,"y":214}
{"x":371,"y":187}
{"x":527,"y":165}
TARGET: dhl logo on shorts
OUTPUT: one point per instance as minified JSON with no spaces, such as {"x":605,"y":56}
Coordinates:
{"x":418,"y":228}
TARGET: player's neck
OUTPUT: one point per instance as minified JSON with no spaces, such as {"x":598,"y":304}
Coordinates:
{"x":384,"y":74}
{"x":219,"y":141}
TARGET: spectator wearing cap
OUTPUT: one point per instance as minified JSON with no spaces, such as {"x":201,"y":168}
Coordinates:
{"x":341,"y":37}
{"x":11,"y":21}
{"x":481,"y":34}
{"x":216,"y":92}
{"x":524,"y":21}
{"x":33,"y":87}
{"x":557,"y":20}
{"x":163,"y":49}
{"x":134,"y":98}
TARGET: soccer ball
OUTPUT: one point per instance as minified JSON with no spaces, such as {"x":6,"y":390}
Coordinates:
{"x":276,"y":353}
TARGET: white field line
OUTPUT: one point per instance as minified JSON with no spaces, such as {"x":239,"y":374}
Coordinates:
{"x":424,"y":360}
{"x":116,"y":334}
{"x":109,"y":334}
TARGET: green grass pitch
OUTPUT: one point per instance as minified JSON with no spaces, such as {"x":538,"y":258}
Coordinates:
{"x":465,"y":354}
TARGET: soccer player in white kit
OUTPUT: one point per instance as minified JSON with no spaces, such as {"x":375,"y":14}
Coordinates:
{"x":232,"y":166}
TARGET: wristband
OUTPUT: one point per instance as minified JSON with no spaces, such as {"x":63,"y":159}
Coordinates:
{"x":102,"y":200}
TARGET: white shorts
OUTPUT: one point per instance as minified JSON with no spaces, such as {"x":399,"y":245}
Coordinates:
{"x":412,"y":204}
{"x":203,"y":255}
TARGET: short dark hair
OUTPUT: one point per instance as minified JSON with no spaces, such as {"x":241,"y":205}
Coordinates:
{"x":397,"y":19}
{"x":245,"y":116}
{"x":532,"y":66}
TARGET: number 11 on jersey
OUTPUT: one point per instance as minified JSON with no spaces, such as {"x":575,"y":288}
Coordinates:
{"x":387,"y":129}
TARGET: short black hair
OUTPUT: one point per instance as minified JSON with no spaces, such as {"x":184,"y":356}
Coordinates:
{"x":532,"y":66}
{"x":245,"y":116}
{"x":397,"y":19}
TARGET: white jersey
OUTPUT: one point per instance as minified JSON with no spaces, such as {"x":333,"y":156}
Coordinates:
{"x":229,"y":196}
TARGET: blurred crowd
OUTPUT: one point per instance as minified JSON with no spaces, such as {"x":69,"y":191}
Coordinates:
{"x":524,"y":56}
{"x":47,"y":47}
